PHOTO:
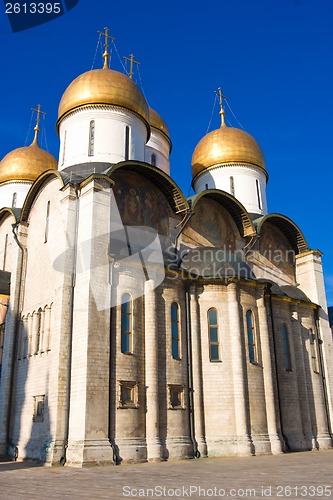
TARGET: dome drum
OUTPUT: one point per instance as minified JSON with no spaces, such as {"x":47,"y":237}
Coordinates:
{"x":103,"y":86}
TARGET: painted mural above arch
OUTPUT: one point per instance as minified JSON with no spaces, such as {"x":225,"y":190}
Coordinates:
{"x":211,"y":226}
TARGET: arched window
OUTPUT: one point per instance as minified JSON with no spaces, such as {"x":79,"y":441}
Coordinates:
{"x":153,"y":160}
{"x":213,"y":335}
{"x":206,"y":186}
{"x":14,"y":200}
{"x":232,"y":186}
{"x":64,"y":148}
{"x":285,"y":347}
{"x":91,"y":138}
{"x":251,"y":337}
{"x":258,"y":194}
{"x":313,"y":351}
{"x":127,"y":138}
{"x":38,"y":331}
{"x":175,"y":330}
{"x":126,"y":323}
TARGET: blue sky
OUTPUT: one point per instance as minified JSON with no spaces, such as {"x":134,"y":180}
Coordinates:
{"x":273,"y":59}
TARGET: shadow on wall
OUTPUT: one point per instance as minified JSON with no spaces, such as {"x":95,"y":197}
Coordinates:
{"x":29,"y":430}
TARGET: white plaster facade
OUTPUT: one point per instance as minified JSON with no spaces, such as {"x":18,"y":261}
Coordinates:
{"x":246,"y":182}
{"x":13,"y":194}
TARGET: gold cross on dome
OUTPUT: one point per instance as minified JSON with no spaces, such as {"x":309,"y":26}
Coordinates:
{"x":132,"y":61}
{"x":221,"y":97}
{"x":106,"y":54}
{"x":39,"y":112}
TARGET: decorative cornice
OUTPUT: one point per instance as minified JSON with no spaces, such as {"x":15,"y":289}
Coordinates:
{"x":232,"y":164}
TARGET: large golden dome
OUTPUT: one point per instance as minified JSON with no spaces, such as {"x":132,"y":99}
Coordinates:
{"x":103,"y":86}
{"x":226,"y":145}
{"x":26,"y":164}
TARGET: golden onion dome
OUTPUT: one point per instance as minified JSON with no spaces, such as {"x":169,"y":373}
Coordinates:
{"x":103,"y":86}
{"x":27,"y":163}
{"x":156,"y":121}
{"x":226,"y":145}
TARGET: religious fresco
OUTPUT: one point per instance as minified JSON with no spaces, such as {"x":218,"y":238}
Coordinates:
{"x":211,"y":226}
{"x":140,"y":203}
{"x":276,"y":250}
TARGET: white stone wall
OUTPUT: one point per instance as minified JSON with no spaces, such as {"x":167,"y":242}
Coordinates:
{"x":160,"y":147}
{"x":109,"y":136}
{"x":7,"y":191}
{"x":245,"y":188}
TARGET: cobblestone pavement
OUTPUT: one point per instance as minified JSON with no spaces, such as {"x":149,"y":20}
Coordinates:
{"x":295,"y":476}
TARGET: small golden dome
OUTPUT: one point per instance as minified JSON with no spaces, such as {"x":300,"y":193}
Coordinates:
{"x":226,"y":145}
{"x":156,"y":121}
{"x":26,"y":164}
{"x":103,"y":86}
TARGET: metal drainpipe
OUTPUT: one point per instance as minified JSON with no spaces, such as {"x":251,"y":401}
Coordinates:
{"x":322,"y":371}
{"x":277,"y":375}
{"x":116,"y":457}
{"x":188,"y":343}
{"x":196,"y":452}
{"x":16,"y":331}
{"x":63,"y":459}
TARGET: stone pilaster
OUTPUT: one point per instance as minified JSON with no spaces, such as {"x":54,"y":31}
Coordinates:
{"x":310,"y":276}
{"x":300,"y":353}
{"x":275,"y":441}
{"x":88,"y":441}
{"x":152,"y":368}
{"x":8,"y":359}
{"x":244,"y":443}
{"x":198,"y":401}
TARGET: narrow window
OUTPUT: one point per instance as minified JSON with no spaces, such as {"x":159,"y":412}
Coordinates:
{"x":175,"y":330}
{"x":126,"y":323}
{"x":251,"y":337}
{"x":47,"y":221}
{"x":286,"y":350}
{"x":258,"y":194}
{"x":232,"y":186}
{"x":5,"y":253}
{"x":214,"y":347}
{"x":313,"y":351}
{"x":39,"y":408}
{"x":38,"y":330}
{"x":176,"y":397}
{"x":64,"y":148}
{"x":127,"y":143}
{"x":2,"y":339}
{"x":153,"y":160}
{"x":14,"y":200}
{"x":91,"y":138}
{"x":206,"y":186}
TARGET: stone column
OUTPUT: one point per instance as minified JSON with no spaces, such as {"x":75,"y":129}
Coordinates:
{"x":310,"y":276}
{"x":88,"y":440}
{"x":276,"y":445}
{"x":198,"y":399}
{"x":301,"y":375}
{"x":244,"y":443}
{"x":152,"y":368}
